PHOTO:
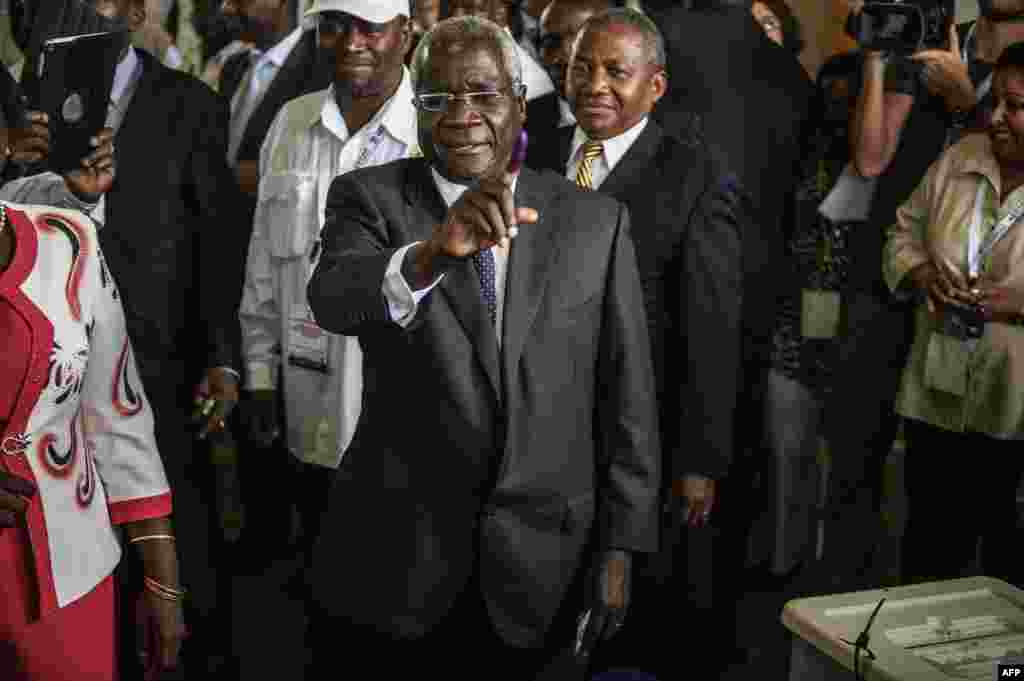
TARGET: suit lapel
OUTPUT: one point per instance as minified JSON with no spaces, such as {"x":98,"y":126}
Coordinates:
{"x":564,"y":148}
{"x":636,"y":162}
{"x":148,"y":80}
{"x":528,"y":269}
{"x":460,"y":286}
{"x":231,"y":75}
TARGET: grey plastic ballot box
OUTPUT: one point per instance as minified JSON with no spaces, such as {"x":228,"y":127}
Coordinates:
{"x":956,"y":630}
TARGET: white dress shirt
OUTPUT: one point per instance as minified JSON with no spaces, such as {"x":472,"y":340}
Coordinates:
{"x":126,"y":80}
{"x":538,"y":82}
{"x":403,"y":301}
{"x":307,"y":146}
{"x":614,"y":149}
{"x":259,"y":76}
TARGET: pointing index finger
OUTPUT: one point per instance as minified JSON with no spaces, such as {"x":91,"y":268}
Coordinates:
{"x":515,"y":163}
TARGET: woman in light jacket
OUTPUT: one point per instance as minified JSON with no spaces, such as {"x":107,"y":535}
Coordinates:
{"x":78,"y":460}
{"x":961,"y":392}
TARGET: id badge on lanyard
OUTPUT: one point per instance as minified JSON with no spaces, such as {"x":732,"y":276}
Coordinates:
{"x":978,"y":247}
{"x":947,"y":357}
{"x":308,"y":343}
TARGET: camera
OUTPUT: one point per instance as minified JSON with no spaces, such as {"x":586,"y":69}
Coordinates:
{"x":903,"y":27}
{"x":963,"y":322}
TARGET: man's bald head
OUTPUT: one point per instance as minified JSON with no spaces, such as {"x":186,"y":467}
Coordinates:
{"x":559,"y":22}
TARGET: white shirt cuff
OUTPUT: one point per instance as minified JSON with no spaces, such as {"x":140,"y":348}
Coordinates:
{"x":99,"y":211}
{"x":402,"y":300}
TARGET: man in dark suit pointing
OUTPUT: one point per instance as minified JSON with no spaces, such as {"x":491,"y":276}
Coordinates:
{"x":508,"y":420}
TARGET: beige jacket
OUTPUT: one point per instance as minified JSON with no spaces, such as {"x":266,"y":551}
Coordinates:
{"x":934,"y":224}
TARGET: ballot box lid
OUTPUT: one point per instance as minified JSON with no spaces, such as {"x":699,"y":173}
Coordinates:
{"x":955,"y":630}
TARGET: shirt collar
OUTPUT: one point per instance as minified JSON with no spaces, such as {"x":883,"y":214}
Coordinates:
{"x":124,"y":74}
{"x":398,"y":115}
{"x":278,"y":54}
{"x":565,"y":114}
{"x":977,"y":158}
{"x":451,"y":191}
{"x":614,"y":148}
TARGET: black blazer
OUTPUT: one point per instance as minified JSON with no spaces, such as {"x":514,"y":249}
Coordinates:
{"x":470,"y":458}
{"x":753,"y":97}
{"x":298,"y":76}
{"x":690,"y":219}
{"x":173,"y":238}
{"x":541,"y":126}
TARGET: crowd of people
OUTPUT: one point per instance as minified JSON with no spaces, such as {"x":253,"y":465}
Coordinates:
{"x":525,"y":323}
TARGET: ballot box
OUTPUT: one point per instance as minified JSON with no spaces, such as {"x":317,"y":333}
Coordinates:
{"x":955,"y":630}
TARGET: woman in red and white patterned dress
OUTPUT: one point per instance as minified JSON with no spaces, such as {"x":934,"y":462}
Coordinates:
{"x":78,"y":459}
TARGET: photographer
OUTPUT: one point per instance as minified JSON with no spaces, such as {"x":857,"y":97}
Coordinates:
{"x":957,"y":245}
{"x":1000,"y":23}
{"x":906,"y":108}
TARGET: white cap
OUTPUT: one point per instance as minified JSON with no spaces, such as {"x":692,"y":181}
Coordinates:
{"x":374,"y":11}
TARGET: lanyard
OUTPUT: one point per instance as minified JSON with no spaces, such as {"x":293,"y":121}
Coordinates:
{"x":978,"y":248}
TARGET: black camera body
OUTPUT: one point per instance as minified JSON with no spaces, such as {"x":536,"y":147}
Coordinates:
{"x":903,"y":27}
{"x":963,"y":322}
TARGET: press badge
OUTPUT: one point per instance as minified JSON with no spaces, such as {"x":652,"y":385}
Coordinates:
{"x":308,"y":343}
{"x":945,"y":366}
{"x":819,"y":313}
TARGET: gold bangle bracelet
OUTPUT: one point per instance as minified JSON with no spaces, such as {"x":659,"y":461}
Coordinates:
{"x":136,"y":540}
{"x":163,"y":587}
{"x":165,"y":597}
{"x":163,"y":591}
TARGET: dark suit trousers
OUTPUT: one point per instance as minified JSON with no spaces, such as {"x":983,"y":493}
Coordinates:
{"x":861,"y":426}
{"x":463,"y":646}
{"x":961,"y":488}
{"x":669,"y":629}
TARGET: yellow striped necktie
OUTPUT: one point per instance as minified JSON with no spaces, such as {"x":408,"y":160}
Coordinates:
{"x":591,"y":151}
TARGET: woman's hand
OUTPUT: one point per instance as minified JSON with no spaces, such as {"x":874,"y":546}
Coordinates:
{"x":15,"y":494}
{"x":160,"y":635}
{"x":161,"y":622}
{"x":1000,"y":303}
{"x":941,"y":285}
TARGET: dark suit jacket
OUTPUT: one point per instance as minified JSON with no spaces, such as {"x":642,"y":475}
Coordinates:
{"x":498,"y":462}
{"x":541,"y":126}
{"x":173,"y":238}
{"x":689,"y":222}
{"x":752,"y":96}
{"x":298,"y":76}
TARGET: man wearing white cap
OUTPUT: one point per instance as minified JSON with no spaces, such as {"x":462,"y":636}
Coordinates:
{"x":366,"y":117}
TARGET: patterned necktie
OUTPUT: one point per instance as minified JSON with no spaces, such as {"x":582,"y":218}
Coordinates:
{"x":591,"y":151}
{"x":483,"y":261}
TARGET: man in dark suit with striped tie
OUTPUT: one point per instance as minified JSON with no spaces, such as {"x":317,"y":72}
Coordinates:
{"x":508,"y":441}
{"x":691,"y":216}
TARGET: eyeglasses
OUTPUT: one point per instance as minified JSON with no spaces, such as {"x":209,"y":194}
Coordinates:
{"x":440,"y":102}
